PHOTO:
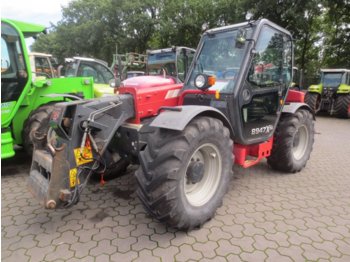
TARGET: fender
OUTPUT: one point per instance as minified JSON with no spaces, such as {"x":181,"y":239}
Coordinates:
{"x":343,"y":89}
{"x":177,"y":118}
{"x":291,"y":108}
{"x":315,"y":89}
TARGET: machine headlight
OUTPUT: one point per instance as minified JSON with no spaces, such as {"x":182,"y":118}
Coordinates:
{"x":203,"y":81}
{"x":199,"y":81}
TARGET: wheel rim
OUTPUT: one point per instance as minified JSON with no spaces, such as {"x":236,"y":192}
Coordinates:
{"x":300,"y":142}
{"x":199,"y":193}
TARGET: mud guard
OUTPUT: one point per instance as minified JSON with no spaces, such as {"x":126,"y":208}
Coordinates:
{"x":177,"y":118}
{"x":291,"y":108}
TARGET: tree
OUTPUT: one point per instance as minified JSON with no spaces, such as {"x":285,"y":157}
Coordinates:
{"x":336,"y":28}
{"x":94,"y":28}
{"x":301,"y":18}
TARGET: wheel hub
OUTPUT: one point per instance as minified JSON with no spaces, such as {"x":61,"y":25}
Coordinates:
{"x":203,"y":174}
{"x":195,"y":172}
{"x":300,"y":142}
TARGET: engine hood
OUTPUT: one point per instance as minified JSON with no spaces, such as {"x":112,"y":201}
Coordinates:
{"x":147,"y":82}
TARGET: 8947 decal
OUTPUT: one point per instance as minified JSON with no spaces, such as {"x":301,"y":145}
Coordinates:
{"x":262,"y":130}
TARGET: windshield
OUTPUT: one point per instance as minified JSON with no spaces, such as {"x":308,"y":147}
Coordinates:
{"x":219,"y":56}
{"x":332,"y":79}
{"x":160,"y":63}
{"x":70,"y":69}
{"x":161,"y":58}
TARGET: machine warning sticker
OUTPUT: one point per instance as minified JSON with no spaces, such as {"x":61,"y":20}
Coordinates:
{"x":73,"y":177}
{"x":84,"y":157}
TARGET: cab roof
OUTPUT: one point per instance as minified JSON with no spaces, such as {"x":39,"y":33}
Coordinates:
{"x":258,"y":23}
{"x":335,"y":70}
{"x":39,"y":54}
{"x":27,"y":29}
{"x":169,"y":49}
{"x":80,"y":58}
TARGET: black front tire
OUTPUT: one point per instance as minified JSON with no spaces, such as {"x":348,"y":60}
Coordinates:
{"x":162,"y":178}
{"x":342,"y":106}
{"x":313,"y":100}
{"x":37,"y":122}
{"x":293,"y":142}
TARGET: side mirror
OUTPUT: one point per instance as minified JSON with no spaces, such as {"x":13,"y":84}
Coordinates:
{"x":203,"y":81}
{"x":240,"y":38}
{"x":114,"y":83}
{"x":5,"y":65}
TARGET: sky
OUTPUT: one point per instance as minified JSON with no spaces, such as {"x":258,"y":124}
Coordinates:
{"x":34,"y":11}
{"x":42,"y":12}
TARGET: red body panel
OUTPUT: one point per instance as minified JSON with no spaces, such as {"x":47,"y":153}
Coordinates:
{"x":258,"y":151}
{"x":142,"y":82}
{"x":150,"y":94}
{"x":295,"y":96}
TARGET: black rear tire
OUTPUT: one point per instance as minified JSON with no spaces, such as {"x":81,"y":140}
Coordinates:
{"x":169,"y":160}
{"x":38,"y":121}
{"x":342,"y":106}
{"x":314,"y":101}
{"x":114,"y":171}
{"x":293,"y":142}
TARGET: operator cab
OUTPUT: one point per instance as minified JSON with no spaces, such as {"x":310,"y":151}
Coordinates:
{"x":333,"y":78}
{"x":252,"y":66}
{"x":87,"y":67}
{"x":170,"y":62}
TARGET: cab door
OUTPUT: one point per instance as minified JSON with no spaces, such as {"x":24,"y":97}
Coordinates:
{"x":266,"y":85}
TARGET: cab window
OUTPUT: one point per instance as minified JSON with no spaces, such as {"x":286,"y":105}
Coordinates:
{"x":42,"y":67}
{"x":14,"y":76}
{"x":100,"y":74}
{"x":272,"y":63}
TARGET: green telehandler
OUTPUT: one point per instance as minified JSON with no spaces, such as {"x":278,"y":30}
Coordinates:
{"x":27,"y":101}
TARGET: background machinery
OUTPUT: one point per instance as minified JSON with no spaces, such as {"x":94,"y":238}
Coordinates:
{"x":173,"y":62}
{"x":185,"y":137}
{"x":128,"y":65}
{"x":332,"y":94}
{"x":43,"y":65}
{"x":90,"y":67}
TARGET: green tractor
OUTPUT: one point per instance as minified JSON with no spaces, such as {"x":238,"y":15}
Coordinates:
{"x":332,"y":94}
{"x":90,"y":67}
{"x":27,"y":100}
